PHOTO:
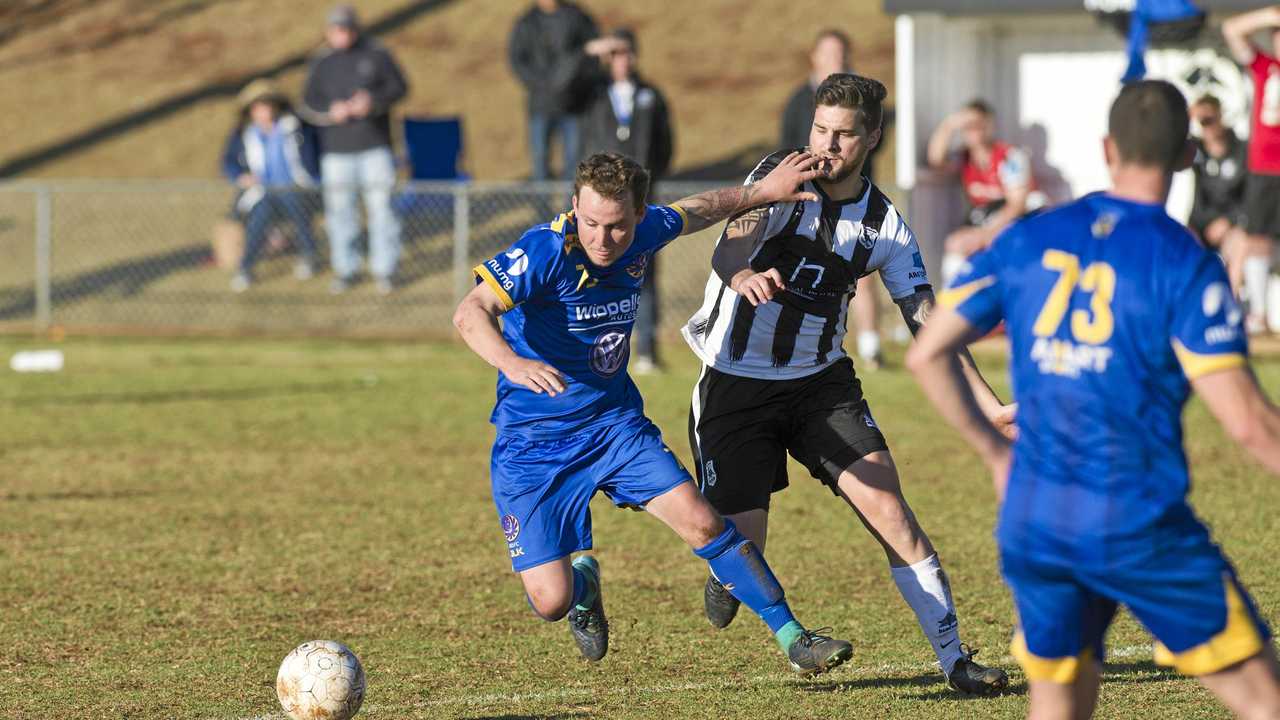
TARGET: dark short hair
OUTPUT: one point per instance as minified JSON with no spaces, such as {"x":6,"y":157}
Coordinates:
{"x":1210,"y":100}
{"x":856,"y":92}
{"x":616,"y":177}
{"x":628,"y":36}
{"x":1149,"y":123}
{"x":834,"y":34}
{"x":980,"y":106}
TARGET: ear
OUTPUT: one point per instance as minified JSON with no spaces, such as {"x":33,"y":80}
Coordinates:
{"x":575,"y":203}
{"x":640,"y":213}
{"x":1188,"y":156}
{"x":873,"y":138}
{"x":1109,"y":152}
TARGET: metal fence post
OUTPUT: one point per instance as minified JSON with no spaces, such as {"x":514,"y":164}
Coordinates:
{"x":461,"y":240}
{"x":44,"y":258}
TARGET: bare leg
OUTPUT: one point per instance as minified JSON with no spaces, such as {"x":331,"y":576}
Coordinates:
{"x":687,"y":512}
{"x":1250,"y":689}
{"x":1059,"y":701}
{"x":549,"y":588}
{"x":872,"y":489}
{"x":754,"y":524}
{"x":866,"y":315}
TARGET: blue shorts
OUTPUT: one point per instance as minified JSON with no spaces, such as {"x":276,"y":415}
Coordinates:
{"x":1185,"y":594}
{"x":543,"y":487}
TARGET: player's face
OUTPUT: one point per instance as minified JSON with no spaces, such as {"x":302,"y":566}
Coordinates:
{"x":1208,"y":118}
{"x":978,"y":130}
{"x":339,"y":37}
{"x":841,"y":140}
{"x":605,"y":227}
{"x":828,"y":56}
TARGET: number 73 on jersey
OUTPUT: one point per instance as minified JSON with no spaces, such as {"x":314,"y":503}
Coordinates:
{"x":1090,"y":328}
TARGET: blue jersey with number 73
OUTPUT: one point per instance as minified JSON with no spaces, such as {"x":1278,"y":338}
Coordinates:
{"x":1111,"y":306}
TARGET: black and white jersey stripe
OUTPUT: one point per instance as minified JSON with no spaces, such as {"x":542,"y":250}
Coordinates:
{"x":821,"y":249}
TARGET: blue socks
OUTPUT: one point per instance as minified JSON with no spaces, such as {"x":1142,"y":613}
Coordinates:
{"x":584,"y":588}
{"x":739,"y":566}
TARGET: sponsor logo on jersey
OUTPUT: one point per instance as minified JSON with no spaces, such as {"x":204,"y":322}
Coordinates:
{"x":500,"y":274}
{"x":1055,"y":356}
{"x":1218,"y":300}
{"x":617,"y":310}
{"x":609,"y":353}
{"x":519,"y":262}
{"x":917,"y":267}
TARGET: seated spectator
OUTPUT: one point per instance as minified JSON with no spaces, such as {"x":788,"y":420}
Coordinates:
{"x":1221,"y":166}
{"x":272,"y":158}
{"x":996,"y":176}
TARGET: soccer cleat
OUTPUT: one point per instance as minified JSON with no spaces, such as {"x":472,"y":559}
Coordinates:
{"x":590,"y":628}
{"x":720,"y":605}
{"x":383,"y":285}
{"x":972,"y":678}
{"x":339,"y":285}
{"x":813,"y":653}
{"x":241,"y":282}
{"x":303,"y":270}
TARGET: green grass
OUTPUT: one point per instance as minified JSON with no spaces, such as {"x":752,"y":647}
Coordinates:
{"x":178,"y":515}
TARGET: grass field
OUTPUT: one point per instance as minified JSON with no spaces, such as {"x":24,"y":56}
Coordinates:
{"x":179,"y":515}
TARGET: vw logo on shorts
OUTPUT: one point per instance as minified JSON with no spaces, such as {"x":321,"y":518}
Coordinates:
{"x":510,"y":527}
{"x":609,"y":353}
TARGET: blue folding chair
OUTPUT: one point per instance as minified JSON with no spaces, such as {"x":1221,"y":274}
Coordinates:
{"x":435,"y":149}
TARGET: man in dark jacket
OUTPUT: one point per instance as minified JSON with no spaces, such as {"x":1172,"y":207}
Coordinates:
{"x":1221,"y":168}
{"x":272,"y":159}
{"x":547,"y":50}
{"x":830,"y":54}
{"x":627,"y":115}
{"x":349,"y":93}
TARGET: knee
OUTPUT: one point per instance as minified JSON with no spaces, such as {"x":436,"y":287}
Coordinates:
{"x":550,"y":605}
{"x":705,"y":528}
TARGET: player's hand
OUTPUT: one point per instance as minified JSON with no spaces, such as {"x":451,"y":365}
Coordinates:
{"x":782,"y":184}
{"x":758,"y":288}
{"x":1006,"y":421}
{"x":360,"y":104}
{"x":339,"y":111}
{"x":535,"y":375}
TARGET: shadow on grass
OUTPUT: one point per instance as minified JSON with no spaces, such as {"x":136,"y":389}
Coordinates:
{"x":1141,"y":671}
{"x":557,"y":716}
{"x":75,"y":495}
{"x":863,"y":683}
{"x":168,"y":396}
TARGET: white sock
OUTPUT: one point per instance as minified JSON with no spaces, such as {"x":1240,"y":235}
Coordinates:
{"x":868,"y":344}
{"x":925,"y":588}
{"x":951,"y":264}
{"x":1256,"y":272}
{"x":1273,"y":303}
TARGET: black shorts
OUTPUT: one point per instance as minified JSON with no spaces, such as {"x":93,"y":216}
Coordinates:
{"x":741,"y":429}
{"x":1262,"y":205}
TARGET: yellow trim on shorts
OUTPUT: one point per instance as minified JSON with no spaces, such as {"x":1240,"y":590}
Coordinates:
{"x":1238,"y":641}
{"x":484,"y":274}
{"x":1063,"y":670}
{"x":684,"y":217}
{"x":1196,"y":365}
{"x":952,"y":297}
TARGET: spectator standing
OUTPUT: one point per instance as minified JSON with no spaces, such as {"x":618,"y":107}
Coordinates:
{"x":830,"y":54}
{"x":996,"y":177}
{"x":629,"y":116}
{"x":272,"y":158}
{"x":352,"y":85}
{"x":547,"y":50}
{"x":1262,"y":187}
{"x":1220,"y":166}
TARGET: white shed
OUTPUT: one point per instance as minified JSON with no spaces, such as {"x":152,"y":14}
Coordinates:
{"x":1050,"y":69}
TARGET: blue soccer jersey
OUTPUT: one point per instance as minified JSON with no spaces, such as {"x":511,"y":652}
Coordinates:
{"x":576,"y":317}
{"x":1110,"y":307}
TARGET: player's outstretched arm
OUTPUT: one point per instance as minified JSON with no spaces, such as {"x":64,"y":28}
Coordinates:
{"x":477,"y":321}
{"x":934,"y":359}
{"x":782,"y":184}
{"x":1236,"y":31}
{"x":918,"y":308}
{"x":1234,"y":398}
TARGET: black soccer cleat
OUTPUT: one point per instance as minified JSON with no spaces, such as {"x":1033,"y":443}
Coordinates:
{"x":590,"y":628}
{"x":720,"y":604}
{"x":813,"y":653}
{"x":972,"y":678}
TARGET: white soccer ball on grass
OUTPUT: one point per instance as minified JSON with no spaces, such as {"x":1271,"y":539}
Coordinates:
{"x":320,"y":680}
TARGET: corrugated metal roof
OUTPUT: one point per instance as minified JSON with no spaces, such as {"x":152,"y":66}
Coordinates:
{"x":984,"y":7}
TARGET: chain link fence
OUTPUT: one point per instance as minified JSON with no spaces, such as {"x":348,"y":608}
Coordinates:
{"x":160,"y":256}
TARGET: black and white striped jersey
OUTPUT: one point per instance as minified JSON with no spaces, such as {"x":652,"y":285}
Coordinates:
{"x":821,"y":249}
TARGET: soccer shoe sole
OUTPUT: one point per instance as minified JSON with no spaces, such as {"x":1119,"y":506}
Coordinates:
{"x":719,"y":606}
{"x":837,"y":658}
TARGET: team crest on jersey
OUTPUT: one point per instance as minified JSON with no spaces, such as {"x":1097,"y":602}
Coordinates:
{"x":638,"y":266}
{"x":709,"y":473}
{"x":609,"y":353}
{"x":1103,"y":226}
{"x":867,"y":238}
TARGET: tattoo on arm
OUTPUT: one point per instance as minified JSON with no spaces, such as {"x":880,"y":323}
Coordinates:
{"x":708,"y":208}
{"x":916,"y":309}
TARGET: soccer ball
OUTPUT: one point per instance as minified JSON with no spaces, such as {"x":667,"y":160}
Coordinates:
{"x":320,"y":680}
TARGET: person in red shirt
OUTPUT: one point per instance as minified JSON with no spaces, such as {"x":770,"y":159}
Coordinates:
{"x":1262,"y":187}
{"x":996,"y":177}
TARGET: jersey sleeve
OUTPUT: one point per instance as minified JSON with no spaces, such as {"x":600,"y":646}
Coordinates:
{"x":524,"y":270}
{"x":1015,"y":171}
{"x":903,"y":270}
{"x":661,"y":225}
{"x":975,"y":291}
{"x":1207,"y":328}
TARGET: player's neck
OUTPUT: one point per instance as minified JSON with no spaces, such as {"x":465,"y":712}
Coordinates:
{"x":847,"y":189}
{"x":1140,"y":184}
